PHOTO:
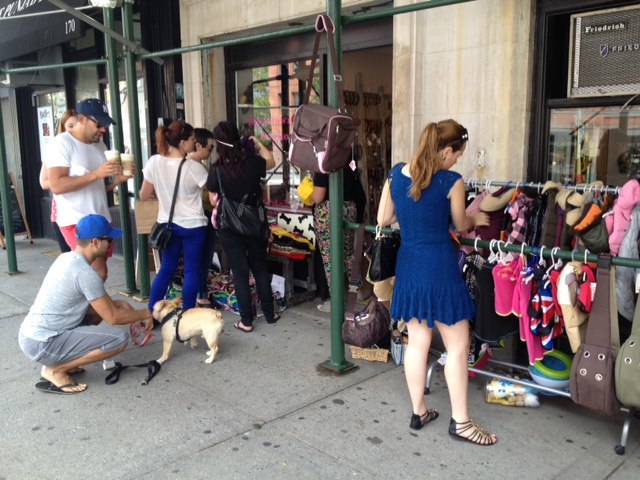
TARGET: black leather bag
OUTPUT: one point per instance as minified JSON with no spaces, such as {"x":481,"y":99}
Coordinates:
{"x":382,"y":254}
{"x":160,"y":235}
{"x":161,"y":232}
{"x":241,"y":218}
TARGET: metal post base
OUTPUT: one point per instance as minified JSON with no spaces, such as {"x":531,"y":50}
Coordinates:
{"x":340,"y":369}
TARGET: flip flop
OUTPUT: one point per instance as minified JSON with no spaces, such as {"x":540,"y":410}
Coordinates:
{"x":245,"y":329}
{"x":276,"y":317}
{"x":48,"y":387}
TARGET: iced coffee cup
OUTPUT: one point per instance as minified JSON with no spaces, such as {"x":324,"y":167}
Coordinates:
{"x":112,"y":156}
{"x":127,"y":164}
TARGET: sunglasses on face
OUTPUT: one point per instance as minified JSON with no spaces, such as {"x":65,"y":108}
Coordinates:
{"x":108,"y":239}
{"x":98,"y":124}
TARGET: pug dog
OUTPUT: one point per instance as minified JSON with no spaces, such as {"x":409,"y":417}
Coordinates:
{"x":194,"y":322}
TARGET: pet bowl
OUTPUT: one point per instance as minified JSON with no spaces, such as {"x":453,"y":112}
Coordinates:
{"x":552,"y":371}
{"x":548,"y":382}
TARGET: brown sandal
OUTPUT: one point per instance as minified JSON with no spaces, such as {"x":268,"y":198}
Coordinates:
{"x":476,"y":434}
{"x":242,"y":327}
{"x":419,"y":421}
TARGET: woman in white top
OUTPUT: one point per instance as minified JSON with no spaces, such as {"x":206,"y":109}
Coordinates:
{"x":189,"y":223}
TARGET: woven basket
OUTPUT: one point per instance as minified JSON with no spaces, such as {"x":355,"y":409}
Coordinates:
{"x":369,"y":354}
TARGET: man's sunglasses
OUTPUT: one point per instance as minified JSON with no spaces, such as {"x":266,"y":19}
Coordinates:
{"x":108,"y":239}
{"x":98,"y":124}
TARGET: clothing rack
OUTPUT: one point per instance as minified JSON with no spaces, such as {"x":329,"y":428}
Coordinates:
{"x":477,"y":183}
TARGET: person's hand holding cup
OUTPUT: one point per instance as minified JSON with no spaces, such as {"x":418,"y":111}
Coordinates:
{"x":127,"y":164}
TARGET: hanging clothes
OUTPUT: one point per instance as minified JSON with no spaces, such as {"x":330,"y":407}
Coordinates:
{"x":490,"y":326}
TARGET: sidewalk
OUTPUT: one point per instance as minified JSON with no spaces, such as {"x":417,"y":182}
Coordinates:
{"x":265,"y":410}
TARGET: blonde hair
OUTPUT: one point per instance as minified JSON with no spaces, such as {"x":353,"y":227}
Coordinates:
{"x":65,"y":118}
{"x":428,"y":157}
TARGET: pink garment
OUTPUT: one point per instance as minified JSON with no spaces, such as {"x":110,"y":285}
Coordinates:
{"x":618,"y":222}
{"x":505,"y":277}
{"x":54,"y":210}
{"x":521,"y":296}
{"x":473,"y":209}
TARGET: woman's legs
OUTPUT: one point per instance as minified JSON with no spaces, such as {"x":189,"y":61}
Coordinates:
{"x":208,"y":249}
{"x":170,"y":257}
{"x":257,"y":254}
{"x":192,"y":245}
{"x":456,"y":343}
{"x":415,"y":363}
{"x":236,"y":250}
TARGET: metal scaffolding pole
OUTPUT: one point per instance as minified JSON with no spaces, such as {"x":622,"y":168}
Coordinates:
{"x":136,"y":148}
{"x":118,"y":144}
{"x":6,"y":206}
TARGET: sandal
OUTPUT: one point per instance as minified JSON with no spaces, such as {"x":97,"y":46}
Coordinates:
{"x":276,"y":317}
{"x":242,"y":327}
{"x":419,"y":421}
{"x":476,"y":434}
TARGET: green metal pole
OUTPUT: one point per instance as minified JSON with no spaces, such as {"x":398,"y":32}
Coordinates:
{"x":136,"y":149}
{"x":12,"y":260}
{"x":337,"y":363}
{"x":118,"y":144}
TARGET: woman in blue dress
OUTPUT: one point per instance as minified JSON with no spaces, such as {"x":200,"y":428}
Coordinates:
{"x":429,"y":290}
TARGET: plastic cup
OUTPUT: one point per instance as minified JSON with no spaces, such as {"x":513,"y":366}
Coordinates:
{"x":112,"y":156}
{"x":127,"y":164}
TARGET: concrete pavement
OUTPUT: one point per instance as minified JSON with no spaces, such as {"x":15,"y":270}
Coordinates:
{"x":264,"y":409}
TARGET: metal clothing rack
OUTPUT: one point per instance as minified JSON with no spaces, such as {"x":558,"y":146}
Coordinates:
{"x":477,"y":183}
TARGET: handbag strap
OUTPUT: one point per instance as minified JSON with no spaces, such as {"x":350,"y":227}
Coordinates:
{"x":356,"y":276}
{"x":175,"y":191}
{"x":386,"y":198}
{"x":599,"y":325}
{"x":324,"y":23}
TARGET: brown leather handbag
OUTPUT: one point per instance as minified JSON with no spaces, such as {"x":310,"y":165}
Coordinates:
{"x":592,"y":372}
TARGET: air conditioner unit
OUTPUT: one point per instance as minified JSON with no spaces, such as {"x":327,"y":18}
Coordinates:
{"x":605,"y":53}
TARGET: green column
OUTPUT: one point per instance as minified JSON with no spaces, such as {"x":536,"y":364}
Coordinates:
{"x":134,"y":126}
{"x":123,"y":191}
{"x":337,"y":363}
{"x":12,"y":261}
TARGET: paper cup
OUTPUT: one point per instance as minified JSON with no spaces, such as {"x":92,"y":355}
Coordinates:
{"x":127,"y":164}
{"x":112,"y":156}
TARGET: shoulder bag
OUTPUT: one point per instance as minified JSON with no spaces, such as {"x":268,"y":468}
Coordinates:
{"x":383,"y":251}
{"x":322,"y":137}
{"x":368,"y":327}
{"x":592,"y":371}
{"x":161,"y":232}
{"x":241,"y":218}
{"x":628,"y":366}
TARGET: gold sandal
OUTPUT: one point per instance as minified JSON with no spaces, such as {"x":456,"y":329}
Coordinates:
{"x":476,"y":434}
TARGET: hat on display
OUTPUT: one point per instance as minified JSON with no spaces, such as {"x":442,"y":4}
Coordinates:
{"x":550,"y":185}
{"x":497,"y":201}
{"x":95,"y":108}
{"x":579,"y":199}
{"x":562,"y":197}
{"x":95,"y":226}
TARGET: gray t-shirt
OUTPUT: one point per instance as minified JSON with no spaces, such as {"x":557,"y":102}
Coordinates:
{"x":63,"y":299}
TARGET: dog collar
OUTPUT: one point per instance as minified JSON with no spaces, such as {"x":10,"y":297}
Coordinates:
{"x":170,"y":315}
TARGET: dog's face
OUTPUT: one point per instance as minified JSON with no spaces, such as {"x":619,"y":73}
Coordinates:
{"x":164,"y":307}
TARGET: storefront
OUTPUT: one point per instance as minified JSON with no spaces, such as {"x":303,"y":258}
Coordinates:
{"x":586,"y":123}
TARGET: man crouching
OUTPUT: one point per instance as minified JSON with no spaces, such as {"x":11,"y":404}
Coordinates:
{"x":58,"y":331}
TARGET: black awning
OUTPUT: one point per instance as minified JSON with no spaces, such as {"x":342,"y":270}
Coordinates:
{"x":21,"y":33}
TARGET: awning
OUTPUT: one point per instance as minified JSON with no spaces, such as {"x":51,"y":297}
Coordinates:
{"x":22,"y":32}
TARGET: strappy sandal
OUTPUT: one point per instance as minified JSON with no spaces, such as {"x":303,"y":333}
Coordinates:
{"x":477,"y":434}
{"x":419,"y":421}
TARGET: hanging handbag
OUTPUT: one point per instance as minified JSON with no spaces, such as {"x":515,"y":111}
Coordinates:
{"x":161,"y":232}
{"x":383,"y":251}
{"x":592,"y":371}
{"x":370,"y":326}
{"x":241,"y":218}
{"x":628,"y":366}
{"x":322,"y":137}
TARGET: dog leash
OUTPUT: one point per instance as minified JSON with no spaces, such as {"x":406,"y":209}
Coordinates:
{"x":153,"y":367}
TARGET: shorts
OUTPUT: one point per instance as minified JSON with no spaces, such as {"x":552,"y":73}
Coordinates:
{"x":69,"y":234}
{"x":74,"y":343}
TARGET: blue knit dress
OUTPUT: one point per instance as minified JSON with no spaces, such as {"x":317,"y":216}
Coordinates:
{"x":428,"y":283}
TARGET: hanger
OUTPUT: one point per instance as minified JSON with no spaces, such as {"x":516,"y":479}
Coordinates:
{"x":494,"y":254}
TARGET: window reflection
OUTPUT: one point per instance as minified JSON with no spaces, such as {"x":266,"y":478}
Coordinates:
{"x":596,"y":143}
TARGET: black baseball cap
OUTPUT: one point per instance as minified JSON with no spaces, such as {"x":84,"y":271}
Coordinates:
{"x":94,"y":107}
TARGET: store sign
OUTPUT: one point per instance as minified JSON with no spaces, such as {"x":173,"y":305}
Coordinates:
{"x":28,"y":25}
{"x":605,"y":53}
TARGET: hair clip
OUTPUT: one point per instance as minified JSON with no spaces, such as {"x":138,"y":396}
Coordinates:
{"x":225,"y":143}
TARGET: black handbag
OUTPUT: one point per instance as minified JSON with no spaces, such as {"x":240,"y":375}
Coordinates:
{"x":161,"y":232}
{"x":240,"y":217}
{"x":383,"y":251}
{"x":370,"y":326}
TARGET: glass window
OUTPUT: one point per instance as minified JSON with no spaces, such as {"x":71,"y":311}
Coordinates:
{"x":267,"y":99}
{"x":594,"y":143}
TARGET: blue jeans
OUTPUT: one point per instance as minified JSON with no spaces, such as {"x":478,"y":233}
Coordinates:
{"x":244,"y":254}
{"x":189,"y":242}
{"x":207,"y":254}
